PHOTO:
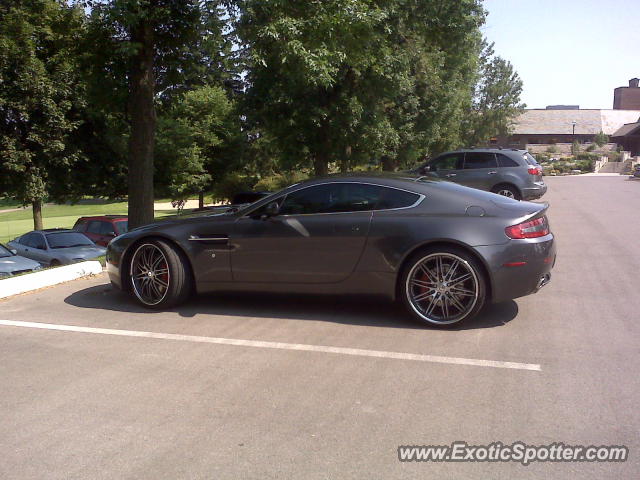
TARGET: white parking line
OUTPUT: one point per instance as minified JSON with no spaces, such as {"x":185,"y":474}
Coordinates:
{"x":279,"y":345}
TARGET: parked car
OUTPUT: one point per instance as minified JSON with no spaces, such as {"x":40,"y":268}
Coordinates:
{"x":13,"y":264}
{"x":509,"y":172}
{"x":443,"y":249}
{"x":636,"y":171}
{"x":56,"y":246}
{"x":103,"y":228}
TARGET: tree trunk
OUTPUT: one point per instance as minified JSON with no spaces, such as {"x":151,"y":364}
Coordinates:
{"x":388,"y":164}
{"x":321,"y":164}
{"x":143,"y":124}
{"x":201,"y":200}
{"x":345,"y":165}
{"x":36,"y":206}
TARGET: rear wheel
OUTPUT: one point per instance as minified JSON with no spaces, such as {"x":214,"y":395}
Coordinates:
{"x":507,"y":191}
{"x":159,"y":275}
{"x":443,"y":286}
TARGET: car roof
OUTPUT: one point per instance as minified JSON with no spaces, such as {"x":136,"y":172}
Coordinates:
{"x":485,"y":149}
{"x":105,"y":217}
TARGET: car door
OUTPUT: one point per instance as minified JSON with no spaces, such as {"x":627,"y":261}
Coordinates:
{"x":94,"y":231}
{"x":317,"y":237}
{"x":447,"y":166}
{"x":479,"y":170}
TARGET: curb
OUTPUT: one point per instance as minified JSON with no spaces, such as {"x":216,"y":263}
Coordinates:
{"x":47,"y":278}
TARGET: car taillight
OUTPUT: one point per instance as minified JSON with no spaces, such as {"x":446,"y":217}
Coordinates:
{"x":530,"y":229}
{"x":534,"y":170}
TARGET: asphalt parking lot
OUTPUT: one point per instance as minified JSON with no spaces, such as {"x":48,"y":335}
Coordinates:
{"x":266,"y":386}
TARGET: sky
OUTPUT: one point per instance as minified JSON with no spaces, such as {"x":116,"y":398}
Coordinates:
{"x":568,"y":52}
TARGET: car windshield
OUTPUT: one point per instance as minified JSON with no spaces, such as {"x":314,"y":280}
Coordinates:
{"x":122,"y":226}
{"x":67,"y":240}
{"x":4,"y":252}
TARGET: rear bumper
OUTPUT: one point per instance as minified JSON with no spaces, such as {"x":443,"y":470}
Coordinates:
{"x":519,"y":267}
{"x":531,"y":193}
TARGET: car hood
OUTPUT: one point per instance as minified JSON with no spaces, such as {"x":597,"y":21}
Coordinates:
{"x":80,"y":252}
{"x":16,"y":263}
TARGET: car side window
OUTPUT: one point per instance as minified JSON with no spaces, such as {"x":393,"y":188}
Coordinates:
{"x":504,"y":161}
{"x":473,"y":160}
{"x":332,"y":198}
{"x":26,"y":240}
{"x":95,"y":226}
{"x":393,"y":198}
{"x":317,"y":199}
{"x":35,"y":240}
{"x":451,"y":161}
{"x":106,"y":228}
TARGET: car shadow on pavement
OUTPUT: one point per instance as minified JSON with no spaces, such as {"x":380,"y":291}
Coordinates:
{"x":348,"y":310}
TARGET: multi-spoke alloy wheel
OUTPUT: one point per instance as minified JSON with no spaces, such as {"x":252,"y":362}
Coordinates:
{"x":506,"y":193}
{"x":444,"y":288}
{"x":150,"y":275}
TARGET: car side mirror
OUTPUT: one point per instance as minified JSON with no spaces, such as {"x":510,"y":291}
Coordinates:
{"x":14,"y":251}
{"x":272,"y":209}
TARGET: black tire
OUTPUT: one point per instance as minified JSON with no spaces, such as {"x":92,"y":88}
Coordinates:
{"x":448,"y":294}
{"x":54,"y":263}
{"x":502,"y":189}
{"x":178,"y":278}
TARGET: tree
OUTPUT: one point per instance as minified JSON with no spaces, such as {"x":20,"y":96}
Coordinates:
{"x":41,"y":96}
{"x":192,"y":138}
{"x":601,"y":139}
{"x":340,"y":83}
{"x":162,"y":48}
{"x":496,"y":100}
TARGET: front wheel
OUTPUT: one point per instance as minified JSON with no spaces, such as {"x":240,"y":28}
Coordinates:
{"x":159,"y":275}
{"x":443,"y":286}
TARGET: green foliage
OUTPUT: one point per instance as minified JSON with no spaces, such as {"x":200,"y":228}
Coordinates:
{"x":496,"y":101}
{"x":541,"y":157}
{"x":192,"y":136}
{"x":231,"y":184}
{"x":552,"y":149}
{"x":614,"y":156}
{"x":587,"y":156}
{"x":337,"y":84}
{"x":601,"y":139}
{"x":277,"y":182}
{"x":591,"y":147}
{"x":575,"y":147}
{"x":41,"y":97}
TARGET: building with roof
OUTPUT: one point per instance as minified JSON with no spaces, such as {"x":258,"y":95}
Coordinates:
{"x":628,"y":137}
{"x":627,"y":98}
{"x":550,"y":126}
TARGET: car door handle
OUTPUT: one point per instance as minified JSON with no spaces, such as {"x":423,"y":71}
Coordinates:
{"x":450,"y":175}
{"x":493,"y":172}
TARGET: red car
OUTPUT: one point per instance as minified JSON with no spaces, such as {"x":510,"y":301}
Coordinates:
{"x":103,"y":228}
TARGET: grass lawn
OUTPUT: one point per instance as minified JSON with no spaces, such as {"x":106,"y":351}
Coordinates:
{"x":13,"y":224}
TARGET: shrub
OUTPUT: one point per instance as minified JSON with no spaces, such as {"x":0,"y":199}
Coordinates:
{"x":587,"y":156}
{"x":575,"y":147}
{"x":541,"y":157}
{"x":614,"y":156}
{"x":600,"y":139}
{"x":279,"y":181}
{"x":591,"y":147}
{"x":229,"y":185}
{"x":552,"y":149}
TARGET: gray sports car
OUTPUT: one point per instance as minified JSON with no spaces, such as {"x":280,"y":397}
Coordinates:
{"x":13,"y":264}
{"x":56,"y":246}
{"x":442,"y":249}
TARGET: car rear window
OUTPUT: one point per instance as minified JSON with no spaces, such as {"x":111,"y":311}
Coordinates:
{"x":530,"y":159}
{"x":392,"y":198}
{"x":504,"y":161}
